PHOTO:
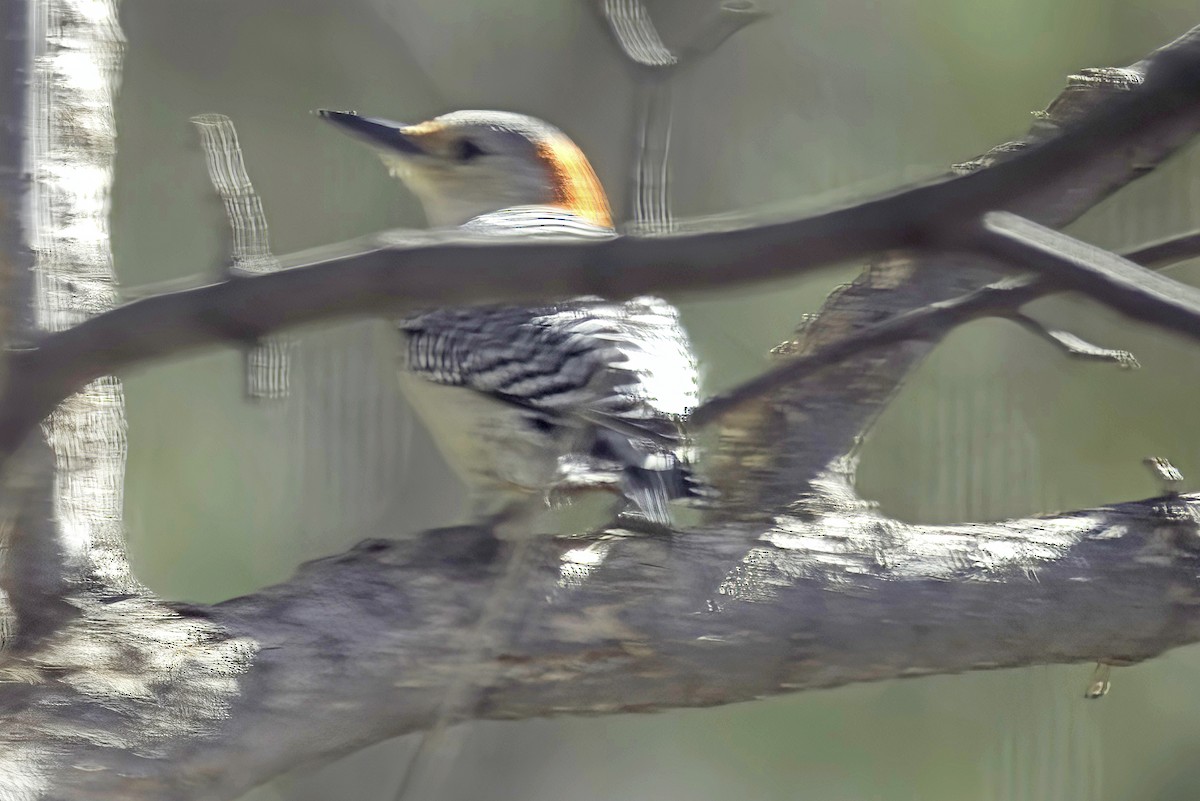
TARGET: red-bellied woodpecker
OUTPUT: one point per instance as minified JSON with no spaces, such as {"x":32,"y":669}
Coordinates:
{"x":575,"y":395}
{"x":567,"y":396}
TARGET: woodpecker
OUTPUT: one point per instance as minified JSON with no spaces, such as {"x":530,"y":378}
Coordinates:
{"x":583,"y":394}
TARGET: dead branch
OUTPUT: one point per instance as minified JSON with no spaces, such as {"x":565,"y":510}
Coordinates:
{"x":429,"y":268}
{"x":1171,"y":250}
{"x":1074,"y":346}
{"x":1127,"y":287}
{"x":359,"y":647}
{"x":773,"y":448}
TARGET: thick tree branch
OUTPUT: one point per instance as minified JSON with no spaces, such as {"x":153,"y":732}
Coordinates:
{"x":359,"y":647}
{"x":420,"y":270}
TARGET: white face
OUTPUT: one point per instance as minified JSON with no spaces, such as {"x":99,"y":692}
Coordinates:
{"x":455,"y":188}
{"x":466,"y":164}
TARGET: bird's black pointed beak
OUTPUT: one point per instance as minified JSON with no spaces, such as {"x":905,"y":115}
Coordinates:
{"x":375,"y":131}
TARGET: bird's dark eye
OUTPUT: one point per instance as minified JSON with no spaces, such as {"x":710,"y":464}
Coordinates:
{"x":466,"y":149}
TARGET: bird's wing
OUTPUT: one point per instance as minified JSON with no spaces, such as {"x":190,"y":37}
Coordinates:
{"x":626,"y":366}
{"x":624,"y":372}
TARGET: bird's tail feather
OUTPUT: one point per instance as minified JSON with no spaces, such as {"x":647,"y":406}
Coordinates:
{"x":652,"y":476}
{"x":648,"y":493}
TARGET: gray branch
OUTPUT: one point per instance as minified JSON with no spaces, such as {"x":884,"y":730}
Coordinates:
{"x":389,"y":272}
{"x":359,"y":647}
{"x":1074,"y":345}
{"x":933,"y":321}
{"x":767,"y":452}
{"x":1129,"y":288}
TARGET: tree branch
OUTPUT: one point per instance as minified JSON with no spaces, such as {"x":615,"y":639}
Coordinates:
{"x":775,"y":451}
{"x":359,"y":647}
{"x":929,"y":322}
{"x":386,"y":274}
{"x":1115,"y":281}
{"x":1172,"y":250}
{"x":1074,"y":346}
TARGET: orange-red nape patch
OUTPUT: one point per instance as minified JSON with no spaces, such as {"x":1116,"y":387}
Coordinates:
{"x":576,"y":187}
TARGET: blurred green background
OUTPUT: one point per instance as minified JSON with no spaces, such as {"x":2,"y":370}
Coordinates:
{"x":823,"y":101}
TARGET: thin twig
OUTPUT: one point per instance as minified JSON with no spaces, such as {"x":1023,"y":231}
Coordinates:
{"x":638,"y":38}
{"x":914,"y":324}
{"x":1073,"y":345}
{"x":1172,"y":250}
{"x":636,"y":35}
{"x":729,"y":17}
{"x":652,"y":168}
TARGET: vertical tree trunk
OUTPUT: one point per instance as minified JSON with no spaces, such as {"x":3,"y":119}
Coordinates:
{"x":61,"y":63}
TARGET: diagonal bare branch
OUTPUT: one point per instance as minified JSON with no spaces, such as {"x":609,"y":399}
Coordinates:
{"x":1140,"y":293}
{"x":420,"y":270}
{"x":1171,"y":250}
{"x":930,"y":321}
{"x":1074,"y":346}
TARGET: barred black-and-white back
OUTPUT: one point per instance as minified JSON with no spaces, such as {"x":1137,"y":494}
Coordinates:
{"x":584,"y":394}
